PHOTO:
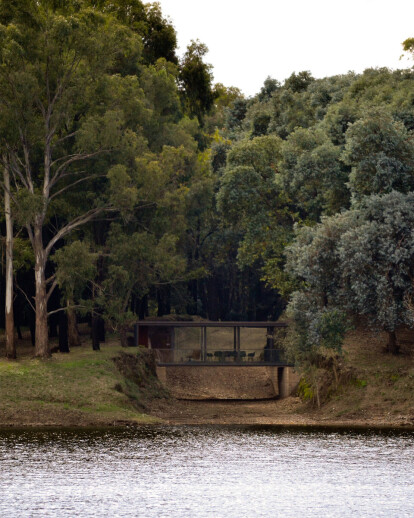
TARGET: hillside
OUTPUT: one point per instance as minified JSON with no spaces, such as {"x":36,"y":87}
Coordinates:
{"x":379,"y":393}
{"x":85,"y":388}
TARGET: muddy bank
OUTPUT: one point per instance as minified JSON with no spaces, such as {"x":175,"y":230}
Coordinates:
{"x":286,"y":412}
{"x":89,"y":389}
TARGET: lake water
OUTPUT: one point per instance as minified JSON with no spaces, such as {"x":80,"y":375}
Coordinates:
{"x":206,"y":471}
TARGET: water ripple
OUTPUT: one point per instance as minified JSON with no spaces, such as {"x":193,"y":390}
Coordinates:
{"x":205,"y":472}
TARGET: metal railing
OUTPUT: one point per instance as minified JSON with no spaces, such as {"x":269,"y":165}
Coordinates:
{"x":219,"y":356}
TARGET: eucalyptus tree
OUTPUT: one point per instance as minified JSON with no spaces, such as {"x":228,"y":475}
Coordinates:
{"x":251,"y":202}
{"x":75,"y":269}
{"x":196,"y":80}
{"x":55,"y":61}
{"x":9,"y":284}
{"x":362,"y":94}
{"x":145,"y":19}
{"x":408,"y":45}
{"x":137,"y":262}
{"x":235,"y":117}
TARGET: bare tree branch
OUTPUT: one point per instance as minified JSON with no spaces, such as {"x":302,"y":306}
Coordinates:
{"x":77,"y":222}
{"x":51,"y":290}
{"x":15,"y":160}
{"x":75,"y":306}
{"x":56,"y":194}
{"x":27,"y":162}
{"x":72,"y":159}
{"x":51,"y":278}
{"x":26,"y":297}
{"x":55,"y":311}
{"x":58,"y":141}
{"x":30,"y":234}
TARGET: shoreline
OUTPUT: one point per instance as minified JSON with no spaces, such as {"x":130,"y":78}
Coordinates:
{"x":269,"y":413}
{"x":115,"y":388}
{"x":326,"y":426}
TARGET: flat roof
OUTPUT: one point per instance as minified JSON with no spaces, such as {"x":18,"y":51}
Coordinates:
{"x":172,"y":323}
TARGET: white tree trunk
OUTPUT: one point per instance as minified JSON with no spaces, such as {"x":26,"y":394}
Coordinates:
{"x":42,"y":349}
{"x":9,"y":317}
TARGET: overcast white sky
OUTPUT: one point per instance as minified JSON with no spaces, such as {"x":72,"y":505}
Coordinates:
{"x":250,"y":40}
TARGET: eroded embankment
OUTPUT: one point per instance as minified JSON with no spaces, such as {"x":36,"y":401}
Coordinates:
{"x":88,"y":388}
{"x":375,"y":390}
{"x":83,"y":388}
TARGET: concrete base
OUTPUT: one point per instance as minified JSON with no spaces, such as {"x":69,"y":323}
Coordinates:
{"x":288,"y":381}
{"x":227,"y":382}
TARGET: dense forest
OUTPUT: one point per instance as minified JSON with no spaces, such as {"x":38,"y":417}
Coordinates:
{"x":134,"y":186}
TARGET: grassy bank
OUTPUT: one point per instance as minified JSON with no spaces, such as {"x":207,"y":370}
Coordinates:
{"x":382,"y":385}
{"x":81,"y":388}
{"x":88,"y":388}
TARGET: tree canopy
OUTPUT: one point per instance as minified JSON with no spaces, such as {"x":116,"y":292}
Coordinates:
{"x":133,"y":185}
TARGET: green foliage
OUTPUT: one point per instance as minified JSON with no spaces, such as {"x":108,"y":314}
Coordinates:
{"x":361,"y":260}
{"x":299,"y":82}
{"x":93,"y":123}
{"x":376,"y":259}
{"x":75,"y":267}
{"x":408,"y":45}
{"x":26,"y":206}
{"x":123,"y":192}
{"x":137,"y":262}
{"x":290,"y":110}
{"x":305,"y":390}
{"x":236,"y":115}
{"x":361,"y":383}
{"x":312,"y":174}
{"x":247,"y":184}
{"x":260,"y":124}
{"x":251,"y":202}
{"x":316,"y":327}
{"x":313,"y":257}
{"x":23,"y":257}
{"x":160,"y":39}
{"x":269,"y":87}
{"x":381,"y":153}
{"x":196,"y":80}
{"x":219,"y":155}
{"x":156,"y":32}
{"x":192,"y":186}
{"x":331,"y":327}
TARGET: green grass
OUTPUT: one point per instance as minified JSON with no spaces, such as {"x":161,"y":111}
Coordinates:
{"x":74,"y":388}
{"x":383,"y":384}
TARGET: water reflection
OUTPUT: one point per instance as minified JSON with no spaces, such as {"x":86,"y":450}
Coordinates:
{"x":206,"y":471}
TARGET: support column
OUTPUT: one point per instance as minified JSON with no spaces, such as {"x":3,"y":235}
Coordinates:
{"x":203,"y":344}
{"x":136,"y":335}
{"x":269,"y":355}
{"x":236,"y":343}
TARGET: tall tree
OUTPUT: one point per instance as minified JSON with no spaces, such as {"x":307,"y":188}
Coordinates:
{"x":360,"y":261}
{"x":75,"y":268}
{"x":312,"y":174}
{"x":54,"y":62}
{"x":9,"y":317}
{"x":196,"y":80}
{"x":381,"y":153}
{"x":146,"y":19}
